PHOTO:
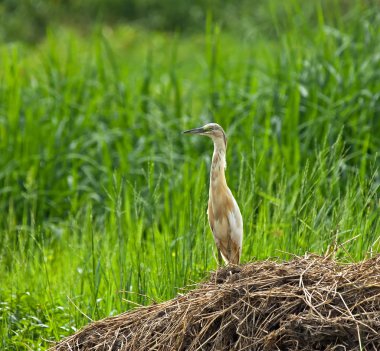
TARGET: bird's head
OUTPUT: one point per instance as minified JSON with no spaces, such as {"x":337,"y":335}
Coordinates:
{"x":212,"y":130}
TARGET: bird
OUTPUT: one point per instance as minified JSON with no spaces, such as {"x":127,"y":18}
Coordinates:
{"x":223,"y":212}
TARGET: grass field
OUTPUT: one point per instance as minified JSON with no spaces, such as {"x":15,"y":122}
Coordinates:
{"x":103,"y":201}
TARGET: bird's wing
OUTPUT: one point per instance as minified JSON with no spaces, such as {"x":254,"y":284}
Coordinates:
{"x":230,"y":250}
{"x":228,"y":234}
{"x":226,"y":224}
{"x":235,"y":221}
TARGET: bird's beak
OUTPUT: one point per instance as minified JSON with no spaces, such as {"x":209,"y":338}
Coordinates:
{"x":194,"y":131}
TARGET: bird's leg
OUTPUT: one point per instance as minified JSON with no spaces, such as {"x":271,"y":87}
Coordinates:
{"x":220,"y":258}
{"x":229,"y":248}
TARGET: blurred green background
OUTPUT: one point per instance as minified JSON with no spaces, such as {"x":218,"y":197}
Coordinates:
{"x":28,"y":20}
{"x":103,"y":200}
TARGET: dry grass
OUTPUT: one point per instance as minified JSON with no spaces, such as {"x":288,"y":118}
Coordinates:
{"x":308,"y":303}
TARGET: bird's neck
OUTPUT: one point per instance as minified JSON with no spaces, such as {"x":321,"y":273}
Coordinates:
{"x":218,"y":164}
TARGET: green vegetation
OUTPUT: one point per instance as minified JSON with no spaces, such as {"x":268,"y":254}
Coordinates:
{"x":103,"y":201}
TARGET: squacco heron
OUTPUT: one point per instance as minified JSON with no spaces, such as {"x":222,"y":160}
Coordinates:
{"x":223,"y":211}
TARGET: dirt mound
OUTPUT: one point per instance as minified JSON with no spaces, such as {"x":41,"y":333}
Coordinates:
{"x":308,"y":303}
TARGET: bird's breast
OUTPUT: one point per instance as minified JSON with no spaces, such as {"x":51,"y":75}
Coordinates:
{"x":223,"y":211}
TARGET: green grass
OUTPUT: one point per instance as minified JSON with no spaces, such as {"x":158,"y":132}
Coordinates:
{"x":103,"y":201}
